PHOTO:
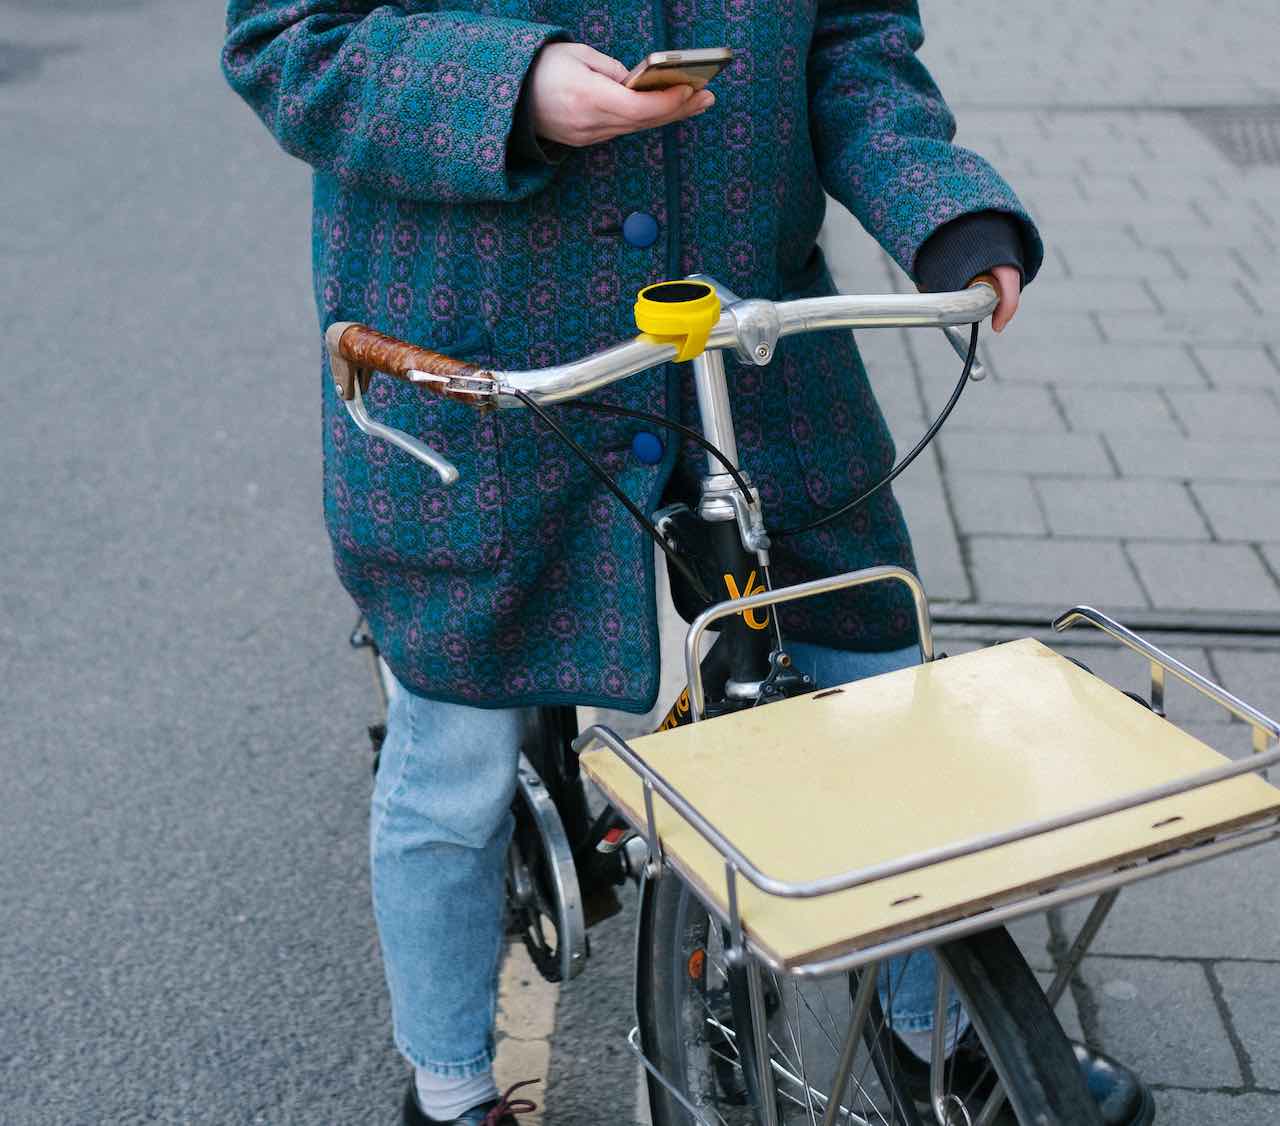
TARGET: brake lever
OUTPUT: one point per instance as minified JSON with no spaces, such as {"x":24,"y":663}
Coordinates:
{"x":416,"y":449}
{"x":959,"y":339}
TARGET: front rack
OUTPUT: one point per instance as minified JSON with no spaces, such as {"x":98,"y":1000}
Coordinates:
{"x":737,"y":864}
{"x":1254,"y":821}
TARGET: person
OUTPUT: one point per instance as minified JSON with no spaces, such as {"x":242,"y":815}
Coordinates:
{"x":487,"y":187}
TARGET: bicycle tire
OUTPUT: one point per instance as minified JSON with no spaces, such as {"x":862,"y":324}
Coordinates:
{"x":1005,"y":1003}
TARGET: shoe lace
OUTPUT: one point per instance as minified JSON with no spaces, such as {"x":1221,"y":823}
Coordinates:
{"x":506,"y":1105}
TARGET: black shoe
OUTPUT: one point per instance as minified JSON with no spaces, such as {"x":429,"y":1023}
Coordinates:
{"x":496,"y":1112}
{"x":1121,"y":1097}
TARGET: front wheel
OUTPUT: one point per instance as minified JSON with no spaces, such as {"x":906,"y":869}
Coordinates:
{"x":694,"y":1028}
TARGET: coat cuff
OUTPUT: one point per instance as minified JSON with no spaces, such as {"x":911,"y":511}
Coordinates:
{"x":958,"y":251}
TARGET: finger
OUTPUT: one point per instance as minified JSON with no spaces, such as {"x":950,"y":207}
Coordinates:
{"x":696,"y":105}
{"x":599,"y":62}
{"x":692,"y":106}
{"x":639,"y":108}
{"x":1010,"y":285}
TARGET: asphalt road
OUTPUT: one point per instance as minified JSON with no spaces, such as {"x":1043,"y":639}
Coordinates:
{"x":185,"y":933}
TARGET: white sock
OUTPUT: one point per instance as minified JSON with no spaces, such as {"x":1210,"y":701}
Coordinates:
{"x":445,"y":1097}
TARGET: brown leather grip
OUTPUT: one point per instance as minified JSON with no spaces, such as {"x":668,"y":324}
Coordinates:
{"x":355,"y":351}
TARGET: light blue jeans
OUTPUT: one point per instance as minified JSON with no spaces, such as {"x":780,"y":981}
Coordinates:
{"x":438,"y":834}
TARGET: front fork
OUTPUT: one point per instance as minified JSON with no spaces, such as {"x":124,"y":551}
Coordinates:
{"x":748,"y":664}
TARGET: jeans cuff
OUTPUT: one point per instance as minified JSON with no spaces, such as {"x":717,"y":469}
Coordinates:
{"x":922,"y":1019}
{"x":456,"y":1069}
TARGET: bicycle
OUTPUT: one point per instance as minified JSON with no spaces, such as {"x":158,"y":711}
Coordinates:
{"x":751,"y":986}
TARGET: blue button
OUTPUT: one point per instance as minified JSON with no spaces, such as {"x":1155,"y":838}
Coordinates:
{"x":640,"y":229}
{"x":647,"y":448}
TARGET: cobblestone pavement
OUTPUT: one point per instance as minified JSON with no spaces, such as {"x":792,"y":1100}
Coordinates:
{"x":1124,"y":453}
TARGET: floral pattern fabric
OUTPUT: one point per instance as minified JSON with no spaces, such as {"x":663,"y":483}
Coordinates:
{"x":526,"y":583}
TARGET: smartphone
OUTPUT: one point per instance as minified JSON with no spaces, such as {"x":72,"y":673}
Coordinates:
{"x":662,"y":69}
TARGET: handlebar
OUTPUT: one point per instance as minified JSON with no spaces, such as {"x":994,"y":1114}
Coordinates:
{"x":355,"y":350}
{"x":750,"y":327}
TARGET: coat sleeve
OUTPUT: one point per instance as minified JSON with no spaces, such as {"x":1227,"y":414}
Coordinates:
{"x":883,"y":135}
{"x":417,"y":106}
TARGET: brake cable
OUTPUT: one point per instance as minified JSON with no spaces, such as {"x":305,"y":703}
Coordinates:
{"x":602,"y":474}
{"x":679,"y":427}
{"x":929,"y":435}
{"x":658,"y":420}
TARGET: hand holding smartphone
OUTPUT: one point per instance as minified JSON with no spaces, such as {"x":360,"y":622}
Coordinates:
{"x":578,"y":96}
{"x":664,"y":69}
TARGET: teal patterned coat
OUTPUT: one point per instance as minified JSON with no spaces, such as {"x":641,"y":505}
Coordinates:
{"x":526,"y":583}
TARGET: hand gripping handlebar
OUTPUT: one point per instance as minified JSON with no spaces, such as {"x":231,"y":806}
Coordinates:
{"x":750,"y":327}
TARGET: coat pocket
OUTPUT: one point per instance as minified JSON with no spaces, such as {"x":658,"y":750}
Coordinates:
{"x":387,"y":508}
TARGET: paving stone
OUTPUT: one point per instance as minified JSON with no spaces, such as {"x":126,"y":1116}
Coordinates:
{"x":1119,"y":509}
{"x":1054,"y":268}
{"x":1184,"y":459}
{"x":1251,"y":674}
{"x":1221,"y":329}
{"x":1081,"y":363}
{"x":1122,"y":191}
{"x":1250,"y":991}
{"x":895,"y":391}
{"x":998,"y":451}
{"x":995,"y":502}
{"x":1205,"y":239}
{"x":1227,"y":414}
{"x":1193,"y":1108}
{"x":1248,"y":512}
{"x":923,"y":500}
{"x":1223,"y":907}
{"x":1160,"y":1018}
{"x":1131,"y":410}
{"x":1105,"y":241}
{"x":1203,"y":576}
{"x":884,"y":350}
{"x":1261,"y":263}
{"x":1046,"y":327}
{"x":1196,"y":295}
{"x":1228,"y":268}
{"x":1128,"y":262}
{"x":1067,"y":1012}
{"x":1052,"y":573}
{"x":1239,"y":367}
{"x":1109,"y":294}
{"x":997,"y":405}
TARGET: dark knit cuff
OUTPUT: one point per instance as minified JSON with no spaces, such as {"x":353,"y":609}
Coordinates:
{"x":959,"y":251}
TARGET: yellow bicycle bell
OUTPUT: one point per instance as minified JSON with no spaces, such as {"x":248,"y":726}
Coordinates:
{"x":683,"y":312}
